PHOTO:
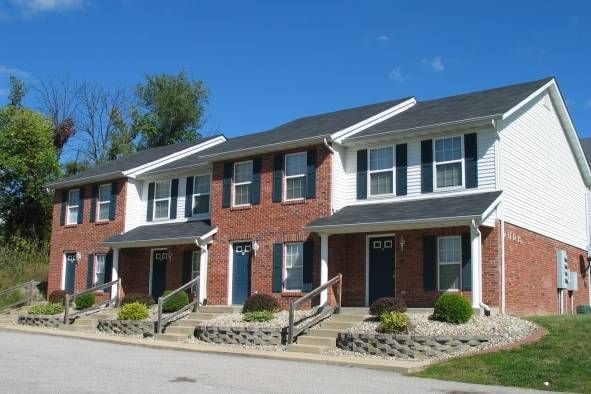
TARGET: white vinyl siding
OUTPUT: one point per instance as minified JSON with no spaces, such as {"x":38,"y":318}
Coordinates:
{"x":104,"y":202}
{"x":201,"y":193}
{"x":294,"y":266}
{"x":295,"y":176}
{"x":162,"y":200}
{"x":449,"y":263}
{"x":242,"y":183}
{"x":73,"y":205}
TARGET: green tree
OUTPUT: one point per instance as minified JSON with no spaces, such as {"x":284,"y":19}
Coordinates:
{"x":18,"y":90}
{"x":170,"y":109}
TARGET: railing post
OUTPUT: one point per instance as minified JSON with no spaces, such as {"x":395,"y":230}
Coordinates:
{"x":159,"y":323}
{"x":30,"y":295}
{"x":66,"y":308}
{"x":118,"y":299}
{"x":339,"y":300}
{"x":291,"y":318}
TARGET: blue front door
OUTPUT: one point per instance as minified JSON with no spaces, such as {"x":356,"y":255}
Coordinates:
{"x":241,"y":272}
{"x":381,"y":268}
{"x":70,"y":276}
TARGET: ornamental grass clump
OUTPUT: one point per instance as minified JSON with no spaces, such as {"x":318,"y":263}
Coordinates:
{"x":394,"y":322}
{"x":46,"y":309}
{"x":258,"y":316}
{"x":57,"y":297}
{"x":387,"y":304}
{"x":133,"y":311}
{"x":452,"y":308}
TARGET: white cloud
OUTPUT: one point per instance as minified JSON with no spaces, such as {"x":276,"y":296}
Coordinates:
{"x":5,"y":70}
{"x":30,"y":7}
{"x":383,"y":38}
{"x":397,"y":75}
{"x":435,"y":63}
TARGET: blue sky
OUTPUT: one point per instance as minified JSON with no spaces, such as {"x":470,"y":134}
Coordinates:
{"x":267,"y":62}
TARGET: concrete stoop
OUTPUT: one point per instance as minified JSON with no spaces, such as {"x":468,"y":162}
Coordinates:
{"x":82,"y":324}
{"x":184,"y":328}
{"x":7,"y":319}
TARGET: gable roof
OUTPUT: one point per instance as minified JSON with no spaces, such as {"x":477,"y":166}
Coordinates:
{"x":162,"y":234}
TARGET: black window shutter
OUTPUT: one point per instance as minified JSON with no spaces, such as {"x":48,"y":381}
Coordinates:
{"x":90,"y":271}
{"x":362,"y":174}
{"x":93,"y":198}
{"x":426,"y":166}
{"x":277,"y":268}
{"x":189,"y":197}
{"x":81,"y":205}
{"x":108,"y":269}
{"x":471,"y":157}
{"x":64,"y":207}
{"x":429,"y":263}
{"x":174,"y":193}
{"x":113,"y":202}
{"x":401,"y":169}
{"x":311,"y":174}
{"x":255,"y":187}
{"x":150,"y":212}
{"x":187,"y":265}
{"x":308,"y":268}
{"x":277,"y":178}
{"x":227,"y":184}
{"x":466,"y":262}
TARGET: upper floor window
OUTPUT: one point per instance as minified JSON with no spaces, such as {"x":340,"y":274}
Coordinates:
{"x":294,"y":266}
{"x":242,"y":182}
{"x":201,"y":192}
{"x":449,"y":162}
{"x":449,"y":256}
{"x":162,"y":200}
{"x":73,"y":205}
{"x":381,"y":171}
{"x":99,"y":269}
{"x":104,"y":202}
{"x":295,"y":176}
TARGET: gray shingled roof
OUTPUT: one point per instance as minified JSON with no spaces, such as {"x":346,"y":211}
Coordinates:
{"x":481,"y":104}
{"x":175,"y":233}
{"x":408,"y":212}
{"x":586,"y":145}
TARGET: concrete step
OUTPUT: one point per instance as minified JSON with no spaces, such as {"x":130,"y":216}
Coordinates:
{"x":171,"y":337}
{"x":324,"y":332}
{"x":335,"y":325}
{"x":202,"y":315}
{"x":348,"y":318}
{"x":294,"y":347}
{"x":187,"y":323}
{"x":317,"y":341}
{"x":187,"y":331}
{"x":360,"y":311}
{"x":220,"y":308}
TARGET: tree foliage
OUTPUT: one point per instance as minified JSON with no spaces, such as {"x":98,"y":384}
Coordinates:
{"x":18,"y":90}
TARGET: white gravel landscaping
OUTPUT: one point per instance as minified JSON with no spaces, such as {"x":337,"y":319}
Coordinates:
{"x":280,"y":320}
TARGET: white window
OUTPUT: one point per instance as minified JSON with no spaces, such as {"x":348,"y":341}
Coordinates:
{"x":381,"y":171}
{"x":201,"y":191}
{"x":162,"y":200}
{"x":242,"y":182}
{"x":449,"y":162}
{"x":294,"y":266}
{"x":104,"y":202}
{"x":449,"y":256}
{"x":295,"y":176}
{"x":73,"y":204}
{"x":99,"y":269}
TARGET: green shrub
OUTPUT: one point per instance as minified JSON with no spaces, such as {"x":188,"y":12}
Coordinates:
{"x":393,"y":322}
{"x":145,"y":299}
{"x":85,"y":301}
{"x":46,"y":309}
{"x":387,"y":304}
{"x":258,"y":316}
{"x":178,"y":301}
{"x":133,"y":311}
{"x":452,"y":308}
{"x":57,"y":297}
{"x":260,"y":302}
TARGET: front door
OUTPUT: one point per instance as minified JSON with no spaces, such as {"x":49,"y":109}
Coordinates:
{"x":70,"y":276}
{"x":158,"y":280}
{"x":381,"y":268}
{"x":241,"y":272}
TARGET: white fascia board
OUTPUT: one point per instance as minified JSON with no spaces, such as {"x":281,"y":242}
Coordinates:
{"x":134,"y":172}
{"x":340,"y":135}
{"x":528,"y":99}
{"x":150,"y":242}
{"x":491,"y":207}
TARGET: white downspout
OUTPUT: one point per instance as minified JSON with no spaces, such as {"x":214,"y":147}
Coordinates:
{"x":203,"y":258}
{"x":500,"y":215}
{"x":476,"y":253}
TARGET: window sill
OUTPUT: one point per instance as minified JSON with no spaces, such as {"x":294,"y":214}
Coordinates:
{"x":241,"y":207}
{"x":294,"y":293}
{"x":71,"y":225}
{"x":294,"y":202}
{"x":102,"y":222}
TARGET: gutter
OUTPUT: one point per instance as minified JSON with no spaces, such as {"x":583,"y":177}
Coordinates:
{"x":89,"y":179}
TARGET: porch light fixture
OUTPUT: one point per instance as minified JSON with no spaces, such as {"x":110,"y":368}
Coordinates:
{"x":402,"y":243}
{"x":78,"y":257}
{"x":255,"y":247}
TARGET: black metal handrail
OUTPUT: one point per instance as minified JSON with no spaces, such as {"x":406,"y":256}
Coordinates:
{"x":163,"y":320}
{"x":111,"y":301}
{"x":28,"y":299}
{"x":292,"y":331}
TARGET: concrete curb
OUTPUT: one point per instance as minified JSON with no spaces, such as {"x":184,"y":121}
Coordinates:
{"x":379,"y":364}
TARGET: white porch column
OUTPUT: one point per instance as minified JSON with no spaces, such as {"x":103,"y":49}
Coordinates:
{"x":203,"y":256}
{"x":323,"y":267}
{"x":115,"y":273}
{"x":476,"y":265}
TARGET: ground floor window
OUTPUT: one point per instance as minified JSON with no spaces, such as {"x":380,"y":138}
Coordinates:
{"x":294,"y":266}
{"x":449,"y":257}
{"x":99,"y":269}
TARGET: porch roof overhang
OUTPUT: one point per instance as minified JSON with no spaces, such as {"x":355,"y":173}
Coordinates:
{"x":164,"y":234}
{"x":458,"y":210}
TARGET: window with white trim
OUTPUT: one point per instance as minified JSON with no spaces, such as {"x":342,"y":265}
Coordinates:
{"x":294,"y":266}
{"x":99,"y":269}
{"x":242,"y":182}
{"x":162,"y":199}
{"x":201,"y":192}
{"x":295,"y":176}
{"x":73,"y":205}
{"x":449,"y":258}
{"x":381,"y":171}
{"x":449,"y":162}
{"x":104,"y":202}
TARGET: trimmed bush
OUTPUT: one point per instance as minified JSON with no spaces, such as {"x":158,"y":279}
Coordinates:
{"x":145,"y":299}
{"x":57,"y":297}
{"x":178,"y":301}
{"x":260,"y":302}
{"x":46,"y":309}
{"x":452,"y":308}
{"x":387,"y":304}
{"x":85,"y":301}
{"x":133,"y":311}
{"x":393,"y":322}
{"x":258,"y":316}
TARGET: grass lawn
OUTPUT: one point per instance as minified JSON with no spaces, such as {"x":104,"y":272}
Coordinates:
{"x":562,"y":358}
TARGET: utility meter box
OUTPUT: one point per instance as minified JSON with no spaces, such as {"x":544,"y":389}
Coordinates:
{"x":572,"y":281}
{"x":562,"y":273}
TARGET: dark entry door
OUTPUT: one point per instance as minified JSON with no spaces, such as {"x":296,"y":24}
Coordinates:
{"x":159,"y":259}
{"x":381,"y":268}
{"x":241,"y":272}
{"x":70,"y":277}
